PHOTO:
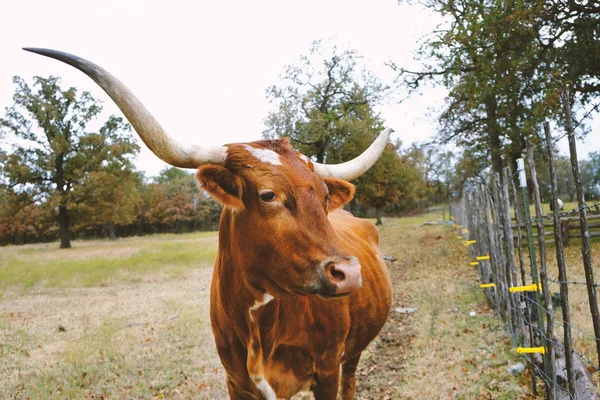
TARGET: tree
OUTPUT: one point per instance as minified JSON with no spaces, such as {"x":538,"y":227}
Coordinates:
{"x":318,"y":101}
{"x":325,"y":107}
{"x":505,"y":64}
{"x":590,"y":175}
{"x":107,"y":198}
{"x":53,"y":153}
{"x":390,"y":182}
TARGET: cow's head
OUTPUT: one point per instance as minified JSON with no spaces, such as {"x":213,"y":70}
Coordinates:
{"x":277,"y":198}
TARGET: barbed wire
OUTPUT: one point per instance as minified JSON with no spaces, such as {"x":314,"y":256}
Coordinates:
{"x":572,"y":327}
{"x":528,"y":360}
{"x":573,"y":282}
{"x":562,"y":214}
{"x":530,"y":301}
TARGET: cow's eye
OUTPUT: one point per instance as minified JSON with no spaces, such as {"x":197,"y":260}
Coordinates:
{"x":267,"y":195}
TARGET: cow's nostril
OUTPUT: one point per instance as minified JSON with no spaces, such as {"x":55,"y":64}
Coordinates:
{"x":335,"y":275}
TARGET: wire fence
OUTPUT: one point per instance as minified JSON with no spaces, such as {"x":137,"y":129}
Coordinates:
{"x":517,"y":278}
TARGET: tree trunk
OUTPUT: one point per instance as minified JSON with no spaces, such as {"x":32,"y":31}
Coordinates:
{"x":378,"y":216}
{"x":353,"y":206}
{"x":63,"y":227}
{"x":111,"y":230}
{"x":494,"y":134}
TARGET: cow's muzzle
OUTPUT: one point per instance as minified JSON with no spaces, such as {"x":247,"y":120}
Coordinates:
{"x":344,"y":273}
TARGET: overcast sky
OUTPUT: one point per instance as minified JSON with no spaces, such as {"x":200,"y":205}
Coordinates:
{"x":202,"y":67}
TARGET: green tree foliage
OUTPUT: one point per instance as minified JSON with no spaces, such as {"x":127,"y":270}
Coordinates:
{"x":53,"y":153}
{"x":325,"y":107}
{"x":321,"y":100}
{"x":505,"y":64}
{"x":390,"y":183}
{"x":590,"y":175}
{"x":174,"y":203}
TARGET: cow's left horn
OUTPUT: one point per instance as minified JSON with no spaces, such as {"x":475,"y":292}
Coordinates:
{"x":153,"y":135}
{"x":354,"y":168}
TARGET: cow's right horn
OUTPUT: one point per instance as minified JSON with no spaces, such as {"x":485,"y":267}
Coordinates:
{"x":153,"y":135}
{"x":354,"y":168}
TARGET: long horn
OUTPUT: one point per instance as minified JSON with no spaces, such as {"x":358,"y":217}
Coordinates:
{"x":354,"y":168}
{"x":154,"y":136}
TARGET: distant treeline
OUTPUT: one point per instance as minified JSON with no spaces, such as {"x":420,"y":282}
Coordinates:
{"x":169,"y":203}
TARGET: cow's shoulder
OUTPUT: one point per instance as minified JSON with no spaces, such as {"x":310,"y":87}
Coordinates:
{"x":345,"y":222}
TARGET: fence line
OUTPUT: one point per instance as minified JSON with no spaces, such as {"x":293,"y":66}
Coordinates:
{"x":483,"y":220}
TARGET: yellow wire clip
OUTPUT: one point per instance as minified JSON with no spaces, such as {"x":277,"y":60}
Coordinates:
{"x":529,"y":288}
{"x":481,"y":258}
{"x":468,"y":242}
{"x":459,"y":237}
{"x":474,"y":263}
{"x":465,"y":230}
{"x":523,"y":350}
{"x":487,"y":285}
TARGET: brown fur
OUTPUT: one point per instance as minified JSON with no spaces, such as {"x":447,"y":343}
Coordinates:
{"x":299,"y":340}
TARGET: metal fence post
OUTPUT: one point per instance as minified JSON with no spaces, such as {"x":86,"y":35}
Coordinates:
{"x":534,"y":271}
{"x":549,"y":355}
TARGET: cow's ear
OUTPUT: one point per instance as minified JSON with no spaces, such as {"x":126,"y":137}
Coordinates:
{"x":222,"y":184}
{"x":340,"y":192}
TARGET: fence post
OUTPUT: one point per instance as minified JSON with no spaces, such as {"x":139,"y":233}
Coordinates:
{"x":534,"y":272}
{"x":585,"y":232}
{"x":526,"y":310}
{"x":511,"y":268}
{"x":495,"y":261}
{"x":564,"y":227}
{"x":560,"y":260}
{"x":549,"y":355}
{"x":500,"y":269}
{"x":519,"y":223}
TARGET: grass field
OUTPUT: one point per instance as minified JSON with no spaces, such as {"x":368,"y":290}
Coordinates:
{"x":129,"y":319}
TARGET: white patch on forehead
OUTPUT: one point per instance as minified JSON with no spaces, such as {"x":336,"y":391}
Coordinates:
{"x":264,"y":155}
{"x":266,"y":389}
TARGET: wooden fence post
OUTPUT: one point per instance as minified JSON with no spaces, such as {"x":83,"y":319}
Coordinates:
{"x":560,"y":260}
{"x":564,"y":228}
{"x":511,"y":267}
{"x":532,"y":257}
{"x":585,"y":232}
{"x":549,"y":355}
{"x":519,"y":223}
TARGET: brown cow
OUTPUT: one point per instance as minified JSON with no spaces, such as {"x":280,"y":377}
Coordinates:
{"x":299,"y":288}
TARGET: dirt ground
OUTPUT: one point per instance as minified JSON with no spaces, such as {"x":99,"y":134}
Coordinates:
{"x":152,"y":338}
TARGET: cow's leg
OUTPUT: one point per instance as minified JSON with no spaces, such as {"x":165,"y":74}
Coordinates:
{"x":326,"y":387}
{"x":349,"y":378}
{"x":238,"y":393}
{"x":239,"y":384}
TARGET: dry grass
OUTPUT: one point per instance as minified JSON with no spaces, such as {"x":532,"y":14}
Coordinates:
{"x":582,"y":329}
{"x":141,"y":332}
{"x":141,"y":329}
{"x":449,"y":354}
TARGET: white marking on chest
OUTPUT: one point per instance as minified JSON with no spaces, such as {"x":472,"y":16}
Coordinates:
{"x":264,"y":155}
{"x":258,"y":304}
{"x":266,"y":389}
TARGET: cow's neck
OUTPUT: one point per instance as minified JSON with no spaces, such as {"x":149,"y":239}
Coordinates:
{"x":232,"y":284}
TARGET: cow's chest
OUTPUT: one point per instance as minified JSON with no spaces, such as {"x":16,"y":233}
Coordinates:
{"x":289,"y":370}
{"x":286,"y":351}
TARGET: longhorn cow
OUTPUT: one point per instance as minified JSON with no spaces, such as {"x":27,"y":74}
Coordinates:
{"x":299,"y":287}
